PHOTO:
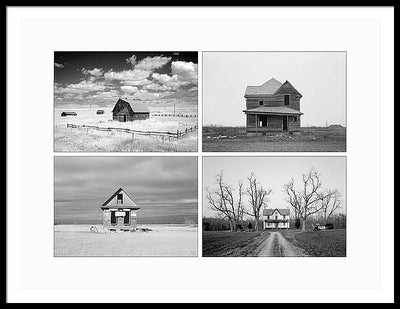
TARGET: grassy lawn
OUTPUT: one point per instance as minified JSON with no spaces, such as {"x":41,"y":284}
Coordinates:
{"x":319,"y":243}
{"x":310,"y":139}
{"x":224,"y":243}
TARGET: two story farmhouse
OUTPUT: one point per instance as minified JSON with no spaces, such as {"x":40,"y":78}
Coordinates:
{"x":120,"y":211}
{"x":272,"y":107}
{"x":275,"y":218}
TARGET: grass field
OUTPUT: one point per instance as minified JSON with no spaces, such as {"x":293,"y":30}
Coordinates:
{"x":162,"y":240}
{"x":319,"y":243}
{"x":314,"y":139}
{"x":224,"y":243}
{"x":77,"y":140}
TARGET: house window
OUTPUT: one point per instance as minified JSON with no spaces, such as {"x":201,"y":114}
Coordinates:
{"x":268,"y":217}
{"x":120,"y":198}
{"x":295,"y":118}
{"x":260,"y":103}
{"x":286,"y":99}
{"x":113,"y":218}
{"x":276,"y":217}
{"x":284,"y":216}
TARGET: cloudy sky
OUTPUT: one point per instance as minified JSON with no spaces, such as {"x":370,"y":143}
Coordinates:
{"x":101,"y":77}
{"x":319,"y":76}
{"x":164,"y":187}
{"x":273,"y":173}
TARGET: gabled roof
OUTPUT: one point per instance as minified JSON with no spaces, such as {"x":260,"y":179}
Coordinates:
{"x":132,"y":107}
{"x":270,"y":211}
{"x":287,"y":84}
{"x":128,"y":203}
{"x":274,"y":110}
{"x":268,"y":88}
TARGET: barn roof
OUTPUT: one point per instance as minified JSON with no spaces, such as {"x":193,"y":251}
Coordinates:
{"x":130,"y":203}
{"x":268,"y":88}
{"x":270,"y":211}
{"x":275,"y":110}
{"x":131,"y":107}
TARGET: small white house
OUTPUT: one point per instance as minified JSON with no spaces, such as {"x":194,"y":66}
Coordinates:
{"x":275,"y":218}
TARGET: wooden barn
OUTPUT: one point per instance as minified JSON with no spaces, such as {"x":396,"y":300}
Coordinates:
{"x":272,"y":107}
{"x":130,"y":111}
{"x":120,"y":212}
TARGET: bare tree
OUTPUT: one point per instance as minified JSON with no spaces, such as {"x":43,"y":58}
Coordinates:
{"x":258,"y":197}
{"x":223,"y":202}
{"x":307,"y":200}
{"x":330,"y":204}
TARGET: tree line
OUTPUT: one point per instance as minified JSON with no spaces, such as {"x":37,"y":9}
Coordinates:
{"x":308,"y":202}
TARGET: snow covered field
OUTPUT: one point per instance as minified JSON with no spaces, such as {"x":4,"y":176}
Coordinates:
{"x":72,"y":139}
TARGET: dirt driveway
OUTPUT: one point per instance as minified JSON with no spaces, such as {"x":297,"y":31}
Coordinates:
{"x":277,"y":245}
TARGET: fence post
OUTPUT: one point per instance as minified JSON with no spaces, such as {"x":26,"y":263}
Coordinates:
{"x":133,"y":135}
{"x":177,"y":133}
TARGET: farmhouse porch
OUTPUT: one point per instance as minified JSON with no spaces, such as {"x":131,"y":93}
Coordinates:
{"x":272,"y":119}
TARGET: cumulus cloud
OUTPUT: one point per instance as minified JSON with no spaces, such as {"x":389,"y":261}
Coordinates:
{"x":157,"y":87}
{"x":127,"y":75}
{"x":129,"y":89}
{"x":82,"y":87}
{"x":184,"y":70}
{"x":58,"y":65}
{"x":96,"y":72}
{"x":169,"y":81}
{"x":152,"y":63}
{"x":131,"y":60}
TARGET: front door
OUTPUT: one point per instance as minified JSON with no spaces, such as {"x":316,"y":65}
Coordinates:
{"x":124,"y":118}
{"x":285,"y":123}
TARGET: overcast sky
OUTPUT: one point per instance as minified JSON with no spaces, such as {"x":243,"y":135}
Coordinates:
{"x":101,"y":77}
{"x":319,"y":76}
{"x":273,"y":173}
{"x":164,"y":187}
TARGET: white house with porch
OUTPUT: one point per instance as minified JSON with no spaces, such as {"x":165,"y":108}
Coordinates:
{"x":275,"y":218}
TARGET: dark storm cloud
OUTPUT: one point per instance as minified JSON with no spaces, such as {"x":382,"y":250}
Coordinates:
{"x":165,"y":187}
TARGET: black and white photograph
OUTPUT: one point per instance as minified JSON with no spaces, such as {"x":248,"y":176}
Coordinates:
{"x":274,"y":101}
{"x":125,"y":206}
{"x":274,"y":206}
{"x":125,"y":101}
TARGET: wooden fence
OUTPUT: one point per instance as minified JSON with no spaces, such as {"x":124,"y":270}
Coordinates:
{"x":173,"y":115}
{"x":163,"y":134}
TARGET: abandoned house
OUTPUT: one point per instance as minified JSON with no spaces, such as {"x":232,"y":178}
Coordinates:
{"x":130,"y":111}
{"x":272,"y":107}
{"x":119,"y":212}
{"x":275,"y":218}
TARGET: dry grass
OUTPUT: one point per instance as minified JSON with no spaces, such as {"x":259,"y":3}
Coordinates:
{"x":162,"y":240}
{"x":310,"y":139}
